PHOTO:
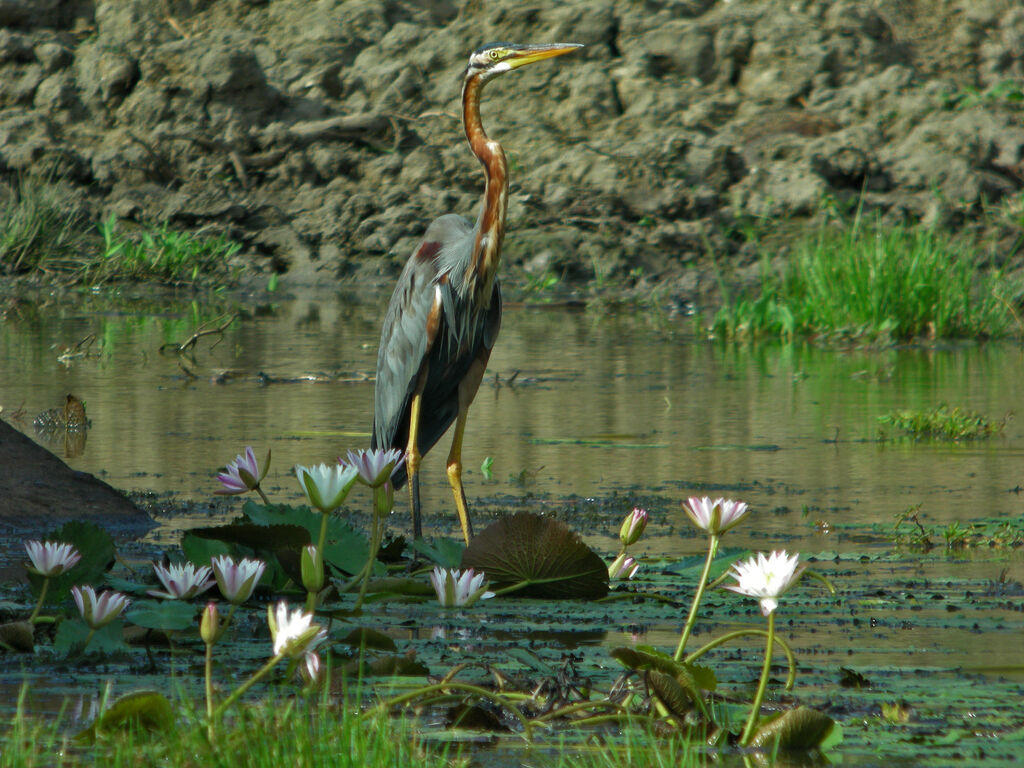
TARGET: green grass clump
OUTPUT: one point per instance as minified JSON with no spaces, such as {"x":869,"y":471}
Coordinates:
{"x":942,"y":423}
{"x":263,"y":735}
{"x":161,"y":254}
{"x":38,"y":230}
{"x":869,"y":281}
{"x":41,"y":234}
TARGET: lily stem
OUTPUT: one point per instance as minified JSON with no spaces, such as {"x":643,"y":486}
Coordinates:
{"x":240,"y":690}
{"x":42,"y":596}
{"x":691,"y":620}
{"x":755,"y":707}
{"x":209,"y":692}
{"x":377,"y":533}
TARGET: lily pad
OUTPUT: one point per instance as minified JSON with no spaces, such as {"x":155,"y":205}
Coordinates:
{"x":542,"y":555}
{"x":695,"y":676}
{"x":17,"y":636}
{"x":71,"y":635}
{"x":673,"y":695}
{"x":446,"y":553}
{"x":346,"y":548}
{"x":147,"y":710}
{"x":802,"y":728}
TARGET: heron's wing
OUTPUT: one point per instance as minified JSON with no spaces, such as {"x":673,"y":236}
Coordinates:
{"x":404,"y":337}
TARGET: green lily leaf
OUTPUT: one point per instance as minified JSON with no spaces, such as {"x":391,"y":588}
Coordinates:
{"x":673,"y":695}
{"x":541,"y":554}
{"x":802,"y":728}
{"x":18,"y":635}
{"x":200,"y":548}
{"x":346,"y":548}
{"x":147,"y":710}
{"x":695,"y":677}
{"x":446,"y":553}
{"x":71,"y":635}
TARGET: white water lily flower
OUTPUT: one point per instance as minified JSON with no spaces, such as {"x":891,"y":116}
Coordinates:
{"x":237,"y":580}
{"x":326,"y":486}
{"x":51,"y":558}
{"x":766,"y":578}
{"x":310,"y":668}
{"x":293,"y":633}
{"x":243,"y":474}
{"x":182,"y":581}
{"x":459,"y":589}
{"x":98,"y":611}
{"x":716,"y":517}
{"x":376,"y":465}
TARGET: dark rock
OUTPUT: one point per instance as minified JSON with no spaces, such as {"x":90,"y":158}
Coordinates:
{"x":14,"y":47}
{"x":40,"y":13}
{"x":39,"y":492}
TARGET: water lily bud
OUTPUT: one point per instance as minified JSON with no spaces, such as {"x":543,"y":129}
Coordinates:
{"x":209,"y":624}
{"x":312,"y":569}
{"x":623,"y":567}
{"x":633,"y":527}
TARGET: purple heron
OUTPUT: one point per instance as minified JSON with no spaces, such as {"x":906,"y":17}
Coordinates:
{"x":445,"y":313}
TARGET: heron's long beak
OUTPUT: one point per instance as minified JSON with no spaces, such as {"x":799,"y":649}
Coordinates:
{"x":528,"y":54}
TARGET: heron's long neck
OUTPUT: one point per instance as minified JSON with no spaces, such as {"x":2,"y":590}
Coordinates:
{"x":483,"y":266}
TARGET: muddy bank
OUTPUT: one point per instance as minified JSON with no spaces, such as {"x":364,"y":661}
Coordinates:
{"x":325,"y":135}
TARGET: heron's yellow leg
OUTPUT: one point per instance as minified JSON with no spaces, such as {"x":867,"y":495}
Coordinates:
{"x":412,"y":463}
{"x":467,"y":391}
{"x":455,"y":475}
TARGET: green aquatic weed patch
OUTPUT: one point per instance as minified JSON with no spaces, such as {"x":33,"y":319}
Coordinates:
{"x":162,"y":254}
{"x":941,"y":423}
{"x":866,"y":280}
{"x":910,"y":531}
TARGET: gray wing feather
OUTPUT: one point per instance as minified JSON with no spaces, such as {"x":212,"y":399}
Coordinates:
{"x":403,"y":342}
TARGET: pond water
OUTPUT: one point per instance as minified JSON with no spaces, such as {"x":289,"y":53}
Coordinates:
{"x":585,"y":415}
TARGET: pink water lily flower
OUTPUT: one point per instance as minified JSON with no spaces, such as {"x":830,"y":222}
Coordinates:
{"x":237,"y":580}
{"x":716,"y":517}
{"x":182,"y":581}
{"x":376,"y":465}
{"x":243,"y":474}
{"x":293,"y":633}
{"x":51,"y":558}
{"x":98,"y":611}
{"x":766,"y":578}
{"x":459,"y":589}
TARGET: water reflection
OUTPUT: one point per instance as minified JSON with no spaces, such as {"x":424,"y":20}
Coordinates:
{"x":573,"y":404}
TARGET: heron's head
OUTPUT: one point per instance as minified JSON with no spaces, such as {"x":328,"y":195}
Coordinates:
{"x":494,"y":58}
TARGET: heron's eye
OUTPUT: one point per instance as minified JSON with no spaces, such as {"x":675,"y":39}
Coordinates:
{"x":495,"y":54}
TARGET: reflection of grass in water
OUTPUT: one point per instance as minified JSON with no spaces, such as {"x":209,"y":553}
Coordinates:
{"x":867,"y":280}
{"x":263,"y":735}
